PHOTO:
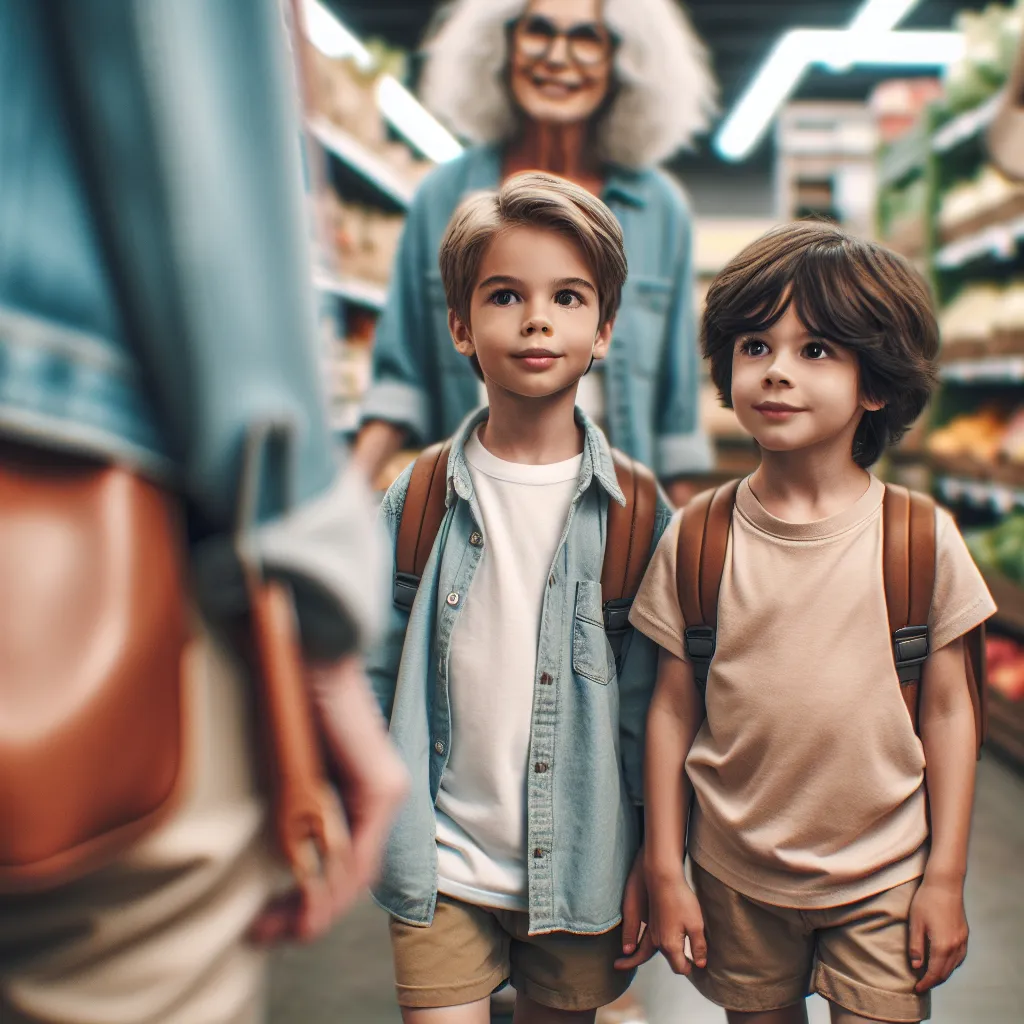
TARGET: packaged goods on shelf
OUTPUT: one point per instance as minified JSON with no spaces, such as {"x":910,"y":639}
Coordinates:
{"x":345,"y":95}
{"x":990,"y":198}
{"x":360,"y":241}
{"x":991,"y":39}
{"x":977,"y":437}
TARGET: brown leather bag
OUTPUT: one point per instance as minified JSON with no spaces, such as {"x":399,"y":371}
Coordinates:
{"x":93,"y":692}
{"x":908,"y":570}
{"x":627,"y":549}
{"x":94,"y":628}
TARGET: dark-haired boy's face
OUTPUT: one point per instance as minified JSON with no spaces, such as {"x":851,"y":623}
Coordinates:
{"x":534,"y":316}
{"x":794,"y":391}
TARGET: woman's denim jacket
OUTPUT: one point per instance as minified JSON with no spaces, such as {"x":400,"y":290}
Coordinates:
{"x":155,"y":299}
{"x":651,"y":375}
{"x":588,"y":715}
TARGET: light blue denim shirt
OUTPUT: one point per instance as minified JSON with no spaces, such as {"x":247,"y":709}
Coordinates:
{"x":156,"y":307}
{"x":651,"y":373}
{"x":588,"y":716}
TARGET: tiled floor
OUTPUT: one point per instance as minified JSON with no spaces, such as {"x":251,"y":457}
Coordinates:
{"x":346,"y":979}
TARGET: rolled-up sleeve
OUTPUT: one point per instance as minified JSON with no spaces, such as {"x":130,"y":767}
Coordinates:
{"x":681,"y":446}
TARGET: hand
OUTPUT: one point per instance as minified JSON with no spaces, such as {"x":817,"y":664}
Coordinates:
{"x":938,"y":932}
{"x":680,"y":491}
{"x":637,"y":945}
{"x":372,"y":785}
{"x":676,"y":916}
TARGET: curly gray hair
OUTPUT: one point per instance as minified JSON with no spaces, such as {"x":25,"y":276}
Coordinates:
{"x":665,"y":91}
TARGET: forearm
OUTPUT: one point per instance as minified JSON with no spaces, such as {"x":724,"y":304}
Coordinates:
{"x":673,"y":723}
{"x":377,"y":442}
{"x":948,"y":737}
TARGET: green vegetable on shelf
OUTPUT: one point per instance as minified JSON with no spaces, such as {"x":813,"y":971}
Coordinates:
{"x":1000,"y":548}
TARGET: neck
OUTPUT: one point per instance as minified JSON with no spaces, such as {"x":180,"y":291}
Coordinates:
{"x":809,"y":484}
{"x":531,"y":431}
{"x":562,"y":149}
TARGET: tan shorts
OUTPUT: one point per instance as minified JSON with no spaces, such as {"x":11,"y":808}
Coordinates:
{"x":469,"y":951}
{"x":763,"y":958}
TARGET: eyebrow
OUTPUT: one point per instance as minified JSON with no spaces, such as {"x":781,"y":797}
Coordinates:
{"x":515,"y":282}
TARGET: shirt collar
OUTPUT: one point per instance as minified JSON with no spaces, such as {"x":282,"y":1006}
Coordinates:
{"x":597,"y":459}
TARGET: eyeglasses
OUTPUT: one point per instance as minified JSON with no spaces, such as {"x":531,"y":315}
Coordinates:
{"x":586,"y":42}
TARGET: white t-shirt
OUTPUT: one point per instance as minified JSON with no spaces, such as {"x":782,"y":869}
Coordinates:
{"x":481,"y":805}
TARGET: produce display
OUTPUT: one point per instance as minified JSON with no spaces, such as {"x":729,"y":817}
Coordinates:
{"x":985,"y":319}
{"x":1005,"y":666}
{"x":992,"y":37}
{"x":1000,"y":548}
{"x":988,"y":437}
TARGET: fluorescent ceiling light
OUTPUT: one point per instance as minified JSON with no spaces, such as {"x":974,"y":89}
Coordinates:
{"x":408,"y":116}
{"x":400,"y":108}
{"x":800,"y":48}
{"x":330,"y":37}
{"x":880,"y":15}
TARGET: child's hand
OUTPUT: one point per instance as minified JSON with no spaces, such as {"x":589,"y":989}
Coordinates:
{"x":938,"y":931}
{"x":675,"y":917}
{"x":637,"y":947}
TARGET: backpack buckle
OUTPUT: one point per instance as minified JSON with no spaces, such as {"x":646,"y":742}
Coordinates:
{"x":699,"y":642}
{"x":404,"y":590}
{"x":910,"y":650}
{"x":616,"y":615}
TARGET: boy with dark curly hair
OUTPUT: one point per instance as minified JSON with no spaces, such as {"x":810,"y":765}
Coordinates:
{"x":828,"y":840}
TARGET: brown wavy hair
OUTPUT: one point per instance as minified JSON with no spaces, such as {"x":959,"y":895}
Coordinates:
{"x":850,"y":291}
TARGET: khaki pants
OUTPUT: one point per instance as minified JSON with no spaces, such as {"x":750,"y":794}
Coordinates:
{"x":158,"y":937}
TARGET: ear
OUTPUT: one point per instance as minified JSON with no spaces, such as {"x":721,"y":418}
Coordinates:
{"x":460,"y":334}
{"x":604,"y":339}
{"x":871,"y":404}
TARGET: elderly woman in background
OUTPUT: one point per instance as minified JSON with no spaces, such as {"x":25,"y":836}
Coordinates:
{"x":599,"y":93}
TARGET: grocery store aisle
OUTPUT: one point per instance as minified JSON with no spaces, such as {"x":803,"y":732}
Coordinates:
{"x":346,"y":979}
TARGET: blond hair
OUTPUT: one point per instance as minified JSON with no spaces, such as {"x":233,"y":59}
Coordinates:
{"x":533,"y":200}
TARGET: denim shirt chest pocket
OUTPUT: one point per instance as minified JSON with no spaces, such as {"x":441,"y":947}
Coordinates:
{"x":642,"y":320}
{"x":591,"y":653}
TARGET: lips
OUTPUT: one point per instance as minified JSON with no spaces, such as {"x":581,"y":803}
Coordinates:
{"x":537,"y":358}
{"x":777,"y":412}
{"x":555,"y":87}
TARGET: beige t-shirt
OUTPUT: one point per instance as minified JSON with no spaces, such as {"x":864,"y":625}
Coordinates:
{"x":807,"y":771}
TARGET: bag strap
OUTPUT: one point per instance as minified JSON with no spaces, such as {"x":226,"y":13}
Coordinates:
{"x":908,"y":571}
{"x":627,"y":548}
{"x":700,"y":563}
{"x":908,"y":561}
{"x":422,"y":514}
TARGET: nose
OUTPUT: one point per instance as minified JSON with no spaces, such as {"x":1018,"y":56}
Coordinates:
{"x":538,"y":325}
{"x":558,"y":54}
{"x":776,"y":374}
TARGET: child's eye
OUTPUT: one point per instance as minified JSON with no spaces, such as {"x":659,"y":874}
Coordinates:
{"x":753,"y":347}
{"x":816,"y":350}
{"x":504,"y":297}
{"x":568,"y":298}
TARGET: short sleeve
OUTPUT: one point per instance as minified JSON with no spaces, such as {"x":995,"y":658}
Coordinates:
{"x":960,"y":600}
{"x":656,"y":611}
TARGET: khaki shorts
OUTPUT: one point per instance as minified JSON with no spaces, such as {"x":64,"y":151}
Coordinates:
{"x":763,"y":958}
{"x":469,"y":951}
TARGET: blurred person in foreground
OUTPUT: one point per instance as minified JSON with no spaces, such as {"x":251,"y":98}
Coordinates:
{"x":155,"y":313}
{"x":599,"y":93}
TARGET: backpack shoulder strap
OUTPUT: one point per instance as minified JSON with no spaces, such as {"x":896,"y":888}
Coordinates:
{"x":627,"y":549}
{"x":422,"y":515}
{"x":700,"y":563}
{"x":908,"y":553}
{"x":908,"y":572}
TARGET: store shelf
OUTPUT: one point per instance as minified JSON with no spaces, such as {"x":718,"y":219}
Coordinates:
{"x":362,"y":293}
{"x":362,"y":160}
{"x":985,"y":370}
{"x":1006,"y":725}
{"x":996,"y":240}
{"x":987,"y":495}
{"x":904,"y":157}
{"x":966,"y":125}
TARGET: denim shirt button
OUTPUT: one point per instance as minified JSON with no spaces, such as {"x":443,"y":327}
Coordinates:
{"x":439,"y":747}
{"x":545,"y":679}
{"x":551,"y":580}
{"x":540,"y":767}
{"x":476,"y":539}
{"x":452,"y":599}
{"x":538,"y":853}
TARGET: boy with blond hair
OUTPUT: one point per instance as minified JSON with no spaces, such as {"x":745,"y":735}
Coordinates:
{"x":828,"y":838}
{"x":520,"y":722}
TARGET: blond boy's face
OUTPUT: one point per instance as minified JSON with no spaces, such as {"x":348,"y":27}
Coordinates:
{"x":794,"y":391}
{"x":534,"y":319}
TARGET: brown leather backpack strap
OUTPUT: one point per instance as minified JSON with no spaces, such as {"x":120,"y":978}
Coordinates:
{"x":908,"y":570}
{"x":700,"y":563}
{"x":422,"y":514}
{"x":630,"y":530}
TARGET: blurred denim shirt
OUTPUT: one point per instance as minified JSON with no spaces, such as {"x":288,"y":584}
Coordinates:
{"x":651,"y":374}
{"x":588,"y":720}
{"x":155,"y":293}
